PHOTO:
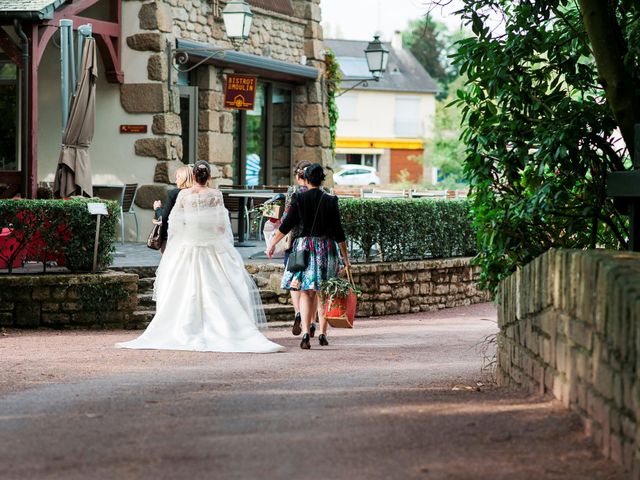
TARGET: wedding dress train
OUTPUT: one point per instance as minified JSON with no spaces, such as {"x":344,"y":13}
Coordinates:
{"x":205,"y":299}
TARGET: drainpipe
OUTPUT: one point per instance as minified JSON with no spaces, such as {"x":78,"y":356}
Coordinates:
{"x":24,"y":150}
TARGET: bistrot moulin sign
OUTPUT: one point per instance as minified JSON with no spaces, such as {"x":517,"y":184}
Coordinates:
{"x":240,"y":91}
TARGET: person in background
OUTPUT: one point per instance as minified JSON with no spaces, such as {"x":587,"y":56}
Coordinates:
{"x":317,"y":213}
{"x":205,"y":299}
{"x":184,"y":179}
{"x":292,"y":193}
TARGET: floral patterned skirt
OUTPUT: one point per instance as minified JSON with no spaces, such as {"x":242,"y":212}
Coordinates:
{"x":324,"y":263}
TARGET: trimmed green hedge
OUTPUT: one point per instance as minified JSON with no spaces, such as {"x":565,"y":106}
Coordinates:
{"x":57,"y":229}
{"x":407,"y":229}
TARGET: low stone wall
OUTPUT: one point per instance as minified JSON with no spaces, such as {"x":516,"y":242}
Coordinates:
{"x":569,"y":324}
{"x":397,"y":287}
{"x":101,"y":300}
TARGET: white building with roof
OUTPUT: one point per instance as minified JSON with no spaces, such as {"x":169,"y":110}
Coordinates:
{"x":385,"y":124}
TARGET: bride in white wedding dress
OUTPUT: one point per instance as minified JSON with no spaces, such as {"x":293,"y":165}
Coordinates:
{"x":205,"y":299}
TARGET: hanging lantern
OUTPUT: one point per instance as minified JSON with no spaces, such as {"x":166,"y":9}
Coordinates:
{"x":377,"y":57}
{"x":237,"y":17}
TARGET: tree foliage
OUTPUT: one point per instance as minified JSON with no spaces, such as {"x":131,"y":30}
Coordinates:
{"x":541,"y":126}
{"x":432,"y":44}
{"x":446,"y":151}
{"x":334,"y":77}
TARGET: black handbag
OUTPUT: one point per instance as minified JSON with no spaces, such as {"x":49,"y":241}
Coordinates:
{"x":154,"y":241}
{"x":299,"y":259}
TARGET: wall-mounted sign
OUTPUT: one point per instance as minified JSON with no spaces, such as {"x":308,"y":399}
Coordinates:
{"x":133,"y":129}
{"x":240,"y":91}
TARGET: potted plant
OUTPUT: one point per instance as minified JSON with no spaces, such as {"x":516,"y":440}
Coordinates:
{"x":340,"y":296}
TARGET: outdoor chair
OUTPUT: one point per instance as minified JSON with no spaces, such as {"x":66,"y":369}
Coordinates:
{"x":277,"y":188}
{"x":255,"y":202}
{"x":126,"y":206}
{"x":232,"y":204}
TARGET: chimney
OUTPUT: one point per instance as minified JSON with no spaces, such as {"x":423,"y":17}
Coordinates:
{"x":396,"y":41}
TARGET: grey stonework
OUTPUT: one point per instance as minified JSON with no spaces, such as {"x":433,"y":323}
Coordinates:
{"x":153,"y":42}
{"x":156,"y":16}
{"x":166,"y":171}
{"x":147,"y":194}
{"x":144,"y":97}
{"x":389,"y":288}
{"x":399,"y":287}
{"x":281,"y":37}
{"x":56,"y":301}
{"x":569,"y":325}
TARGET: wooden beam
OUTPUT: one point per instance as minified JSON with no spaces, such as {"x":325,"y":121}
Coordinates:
{"x":74,"y":8}
{"x":10,"y":48}
{"x":98,"y":27}
{"x":108,"y":34}
{"x":32,"y":153}
{"x":108,"y":50}
{"x":42,"y":38}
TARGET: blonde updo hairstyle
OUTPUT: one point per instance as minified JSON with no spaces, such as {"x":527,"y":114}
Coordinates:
{"x":184,"y":177}
{"x":300,"y":166}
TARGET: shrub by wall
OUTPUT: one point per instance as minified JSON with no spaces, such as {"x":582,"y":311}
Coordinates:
{"x":407,"y":229}
{"x":62,"y":230}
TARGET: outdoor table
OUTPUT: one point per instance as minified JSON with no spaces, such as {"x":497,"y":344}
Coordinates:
{"x":109,"y":192}
{"x":243,"y":195}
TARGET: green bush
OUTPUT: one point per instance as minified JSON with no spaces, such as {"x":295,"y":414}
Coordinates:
{"x":52,"y":229}
{"x":407,"y":229}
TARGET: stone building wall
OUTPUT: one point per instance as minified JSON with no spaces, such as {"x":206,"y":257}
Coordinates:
{"x":570,"y":325}
{"x":397,"y":287}
{"x":295,"y":39}
{"x":102,"y":300}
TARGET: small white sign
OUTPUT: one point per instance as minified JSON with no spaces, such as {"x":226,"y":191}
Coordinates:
{"x":97,"y":208}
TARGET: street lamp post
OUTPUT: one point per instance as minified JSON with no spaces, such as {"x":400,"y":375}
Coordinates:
{"x":377,"y":56}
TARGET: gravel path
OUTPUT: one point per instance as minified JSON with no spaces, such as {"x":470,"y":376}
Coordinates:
{"x":394,"y":398}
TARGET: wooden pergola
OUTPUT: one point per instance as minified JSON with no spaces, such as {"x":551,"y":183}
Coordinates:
{"x":39,"y":32}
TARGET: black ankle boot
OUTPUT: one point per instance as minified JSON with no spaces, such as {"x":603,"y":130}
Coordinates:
{"x":322,"y":339}
{"x":305,"y":344}
{"x":312,"y":329}
{"x":297,"y":329}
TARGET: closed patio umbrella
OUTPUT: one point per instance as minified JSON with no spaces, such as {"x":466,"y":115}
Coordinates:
{"x":74,"y":164}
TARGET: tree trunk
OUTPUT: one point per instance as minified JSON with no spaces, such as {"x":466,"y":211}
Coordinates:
{"x":609,"y":49}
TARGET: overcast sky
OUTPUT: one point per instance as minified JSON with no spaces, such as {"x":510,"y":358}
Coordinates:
{"x":359,"y":19}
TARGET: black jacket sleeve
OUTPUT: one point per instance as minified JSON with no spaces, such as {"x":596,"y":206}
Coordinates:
{"x":339,"y":235}
{"x":166,"y":210}
{"x":292,"y":219}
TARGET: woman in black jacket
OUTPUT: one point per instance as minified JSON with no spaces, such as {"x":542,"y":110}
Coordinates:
{"x":320,"y":234}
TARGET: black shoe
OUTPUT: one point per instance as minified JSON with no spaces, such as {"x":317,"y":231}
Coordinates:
{"x":297,"y":329}
{"x":312,"y":330}
{"x":305,"y":344}
{"x":322,"y":339}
